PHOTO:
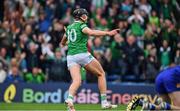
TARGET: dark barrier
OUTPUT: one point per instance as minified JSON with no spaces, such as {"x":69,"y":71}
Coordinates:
{"x":57,"y":92}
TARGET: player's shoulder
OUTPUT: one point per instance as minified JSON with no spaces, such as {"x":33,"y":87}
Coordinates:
{"x":70,"y":25}
{"x":77,"y":25}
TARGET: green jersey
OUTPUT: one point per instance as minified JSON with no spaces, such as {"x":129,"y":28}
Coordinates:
{"x":77,"y":40}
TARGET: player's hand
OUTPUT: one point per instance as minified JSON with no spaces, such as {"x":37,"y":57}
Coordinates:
{"x":113,"y":32}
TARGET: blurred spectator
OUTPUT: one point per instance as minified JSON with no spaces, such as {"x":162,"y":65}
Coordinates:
{"x":59,"y":10}
{"x":44,"y":22}
{"x":151,"y":65}
{"x":177,"y":52}
{"x":46,"y":47}
{"x":154,"y":19}
{"x":99,"y":3}
{"x":177,"y":56}
{"x":166,"y":10}
{"x":36,"y":76}
{"x":57,"y":67}
{"x":56,"y":33}
{"x":14,"y":76}
{"x":22,"y":44}
{"x":165,"y":54}
{"x":125,"y":9}
{"x":145,"y":6}
{"x":117,"y":62}
{"x":150,"y":35}
{"x":136,"y":21}
{"x":20,"y":57}
{"x":123,"y":26}
{"x":30,"y":32}
{"x":87,"y":4}
{"x":2,"y":73}
{"x":147,"y":50}
{"x":5,"y":35}
{"x":97,"y":15}
{"x":132,"y":55}
{"x":1,"y":10}
{"x":49,"y":9}
{"x":67,"y":18}
{"x":3,"y":58}
{"x":33,"y":56}
{"x":30,"y":11}
{"x":155,"y":4}
{"x":98,"y":47}
{"x":168,"y":32}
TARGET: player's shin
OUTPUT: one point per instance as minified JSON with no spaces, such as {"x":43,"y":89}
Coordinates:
{"x":102,"y":86}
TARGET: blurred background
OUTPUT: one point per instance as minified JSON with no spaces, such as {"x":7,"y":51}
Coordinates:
{"x":31,"y":31}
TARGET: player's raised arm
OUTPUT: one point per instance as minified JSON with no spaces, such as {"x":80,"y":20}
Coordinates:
{"x":98,"y":33}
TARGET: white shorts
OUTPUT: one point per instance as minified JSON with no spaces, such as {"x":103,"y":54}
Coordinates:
{"x":81,"y":59}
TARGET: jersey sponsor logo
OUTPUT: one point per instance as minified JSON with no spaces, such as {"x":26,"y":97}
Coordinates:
{"x":10,"y":93}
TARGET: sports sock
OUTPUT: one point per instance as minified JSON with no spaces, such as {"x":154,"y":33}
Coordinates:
{"x":166,"y":106}
{"x":70,"y":97}
{"x":151,"y":106}
{"x":103,"y":98}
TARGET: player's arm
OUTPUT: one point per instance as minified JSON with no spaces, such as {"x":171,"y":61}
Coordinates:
{"x":98,"y":33}
{"x":63,"y":40}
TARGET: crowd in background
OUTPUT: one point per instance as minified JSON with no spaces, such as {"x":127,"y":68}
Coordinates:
{"x":31,"y":31}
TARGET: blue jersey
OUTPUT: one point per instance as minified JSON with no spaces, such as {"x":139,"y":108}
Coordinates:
{"x":168,"y":80}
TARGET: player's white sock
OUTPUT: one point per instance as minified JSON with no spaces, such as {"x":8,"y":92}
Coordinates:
{"x":103,"y":99}
{"x":70,"y":98}
{"x":105,"y":104}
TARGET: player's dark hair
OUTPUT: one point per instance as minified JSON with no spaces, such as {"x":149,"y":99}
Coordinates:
{"x":79,"y":12}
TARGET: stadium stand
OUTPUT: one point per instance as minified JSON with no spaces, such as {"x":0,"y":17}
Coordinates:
{"x":31,"y":30}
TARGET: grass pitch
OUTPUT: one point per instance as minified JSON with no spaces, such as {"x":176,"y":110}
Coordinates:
{"x":54,"y":107}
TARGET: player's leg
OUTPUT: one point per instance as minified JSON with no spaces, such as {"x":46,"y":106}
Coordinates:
{"x":76,"y":79}
{"x":95,"y":67}
{"x":175,"y":98}
{"x":169,"y":101}
{"x":165,"y":102}
{"x":146,"y":105}
{"x":76,"y":82}
{"x":170,"y":84}
{"x":161,"y":89}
